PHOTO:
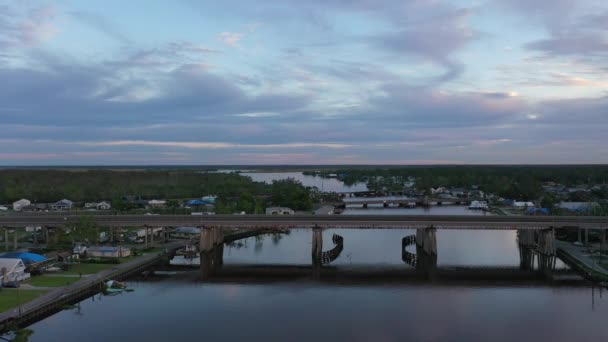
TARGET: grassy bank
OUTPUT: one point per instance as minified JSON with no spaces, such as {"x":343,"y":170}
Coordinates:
{"x":87,"y":268}
{"x":9,"y":298}
{"x":46,"y":281}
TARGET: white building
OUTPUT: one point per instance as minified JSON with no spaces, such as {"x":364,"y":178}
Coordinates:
{"x":18,"y":205}
{"x":63,"y":205}
{"x":108,"y":252}
{"x":103,"y":206}
{"x":91,"y":205}
{"x":185,"y":232}
{"x":522,"y":205}
{"x":279,"y":211}
{"x":12,"y":270}
{"x":157,"y":203}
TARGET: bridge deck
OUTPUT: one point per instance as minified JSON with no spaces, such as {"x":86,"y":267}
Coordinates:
{"x":309,"y":221}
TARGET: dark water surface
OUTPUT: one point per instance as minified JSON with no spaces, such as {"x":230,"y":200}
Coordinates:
{"x":462,"y":308}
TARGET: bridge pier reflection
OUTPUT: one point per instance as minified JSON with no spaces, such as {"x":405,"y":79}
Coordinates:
{"x":425,"y":259}
{"x":211,"y":251}
{"x":317,"y":252}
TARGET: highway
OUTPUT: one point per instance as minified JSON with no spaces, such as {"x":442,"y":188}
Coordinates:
{"x":309,"y":221}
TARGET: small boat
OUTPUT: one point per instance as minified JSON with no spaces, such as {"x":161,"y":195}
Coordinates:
{"x":187,"y":256}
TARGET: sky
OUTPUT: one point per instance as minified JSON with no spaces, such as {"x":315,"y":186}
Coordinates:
{"x":186,"y":82}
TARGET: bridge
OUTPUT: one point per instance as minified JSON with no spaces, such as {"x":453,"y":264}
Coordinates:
{"x":403,"y":200}
{"x":487,"y":222}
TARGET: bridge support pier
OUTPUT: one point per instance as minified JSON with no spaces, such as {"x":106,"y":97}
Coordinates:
{"x":547,"y":250}
{"x":6,"y":239}
{"x":426,"y":251}
{"x":427,"y":239}
{"x":317,"y":252}
{"x":211,"y":251}
{"x":15,"y":235}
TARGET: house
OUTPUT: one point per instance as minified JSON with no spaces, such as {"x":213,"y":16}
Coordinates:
{"x":578,"y":207}
{"x":12,"y":269}
{"x":91,"y":205}
{"x":108,"y":252}
{"x":458,"y":192}
{"x":135,"y":200}
{"x":522,"y":204}
{"x":103,"y":205}
{"x":279,"y":211}
{"x":156,"y":203}
{"x":63,"y":205}
{"x":209,"y":199}
{"x":537,"y":211}
{"x":59,"y":256}
{"x":185,"y":232}
{"x":27,"y":258}
{"x":438,"y":190}
{"x":18,"y":205}
{"x":325,"y":210}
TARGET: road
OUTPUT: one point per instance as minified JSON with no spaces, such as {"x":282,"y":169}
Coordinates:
{"x":309,"y":221}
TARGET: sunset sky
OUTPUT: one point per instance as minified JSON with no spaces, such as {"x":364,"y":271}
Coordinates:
{"x":303,"y":82}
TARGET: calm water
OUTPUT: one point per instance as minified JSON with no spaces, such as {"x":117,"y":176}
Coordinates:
{"x":471,"y":300}
{"x":182,"y":307}
{"x":324,"y":184}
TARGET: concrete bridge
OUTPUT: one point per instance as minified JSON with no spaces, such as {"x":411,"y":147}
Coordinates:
{"x":403,"y":201}
{"x":487,"y":222}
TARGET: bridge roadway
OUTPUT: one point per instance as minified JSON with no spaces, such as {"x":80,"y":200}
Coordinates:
{"x":311,"y":221}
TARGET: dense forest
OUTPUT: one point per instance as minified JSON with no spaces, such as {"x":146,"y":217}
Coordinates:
{"x":235,"y":192}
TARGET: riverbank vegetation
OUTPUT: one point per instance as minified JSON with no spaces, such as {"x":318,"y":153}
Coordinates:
{"x":521,"y":181}
{"x":236,"y":193}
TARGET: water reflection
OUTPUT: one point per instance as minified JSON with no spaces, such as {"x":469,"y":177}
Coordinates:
{"x":483,"y":288}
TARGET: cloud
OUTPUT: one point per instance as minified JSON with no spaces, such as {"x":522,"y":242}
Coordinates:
{"x":101,"y":24}
{"x":26,"y":27}
{"x":231,"y":38}
{"x":214,"y":145}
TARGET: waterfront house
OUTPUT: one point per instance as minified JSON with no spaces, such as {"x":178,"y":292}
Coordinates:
{"x":522,"y":204}
{"x":458,"y":192}
{"x":103,"y":205}
{"x":185,"y":232}
{"x":91,"y":205}
{"x":438,"y":190}
{"x":63,"y":205}
{"x":279,"y":211}
{"x":156,"y":203}
{"x":18,"y":205}
{"x":12,"y":270}
{"x":108,"y":252}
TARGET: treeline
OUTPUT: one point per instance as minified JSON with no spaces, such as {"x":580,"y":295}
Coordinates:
{"x":235,"y":192}
{"x":523,"y":182}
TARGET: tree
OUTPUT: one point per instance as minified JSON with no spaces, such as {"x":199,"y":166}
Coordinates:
{"x":290,"y":193}
{"x":549,"y":201}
